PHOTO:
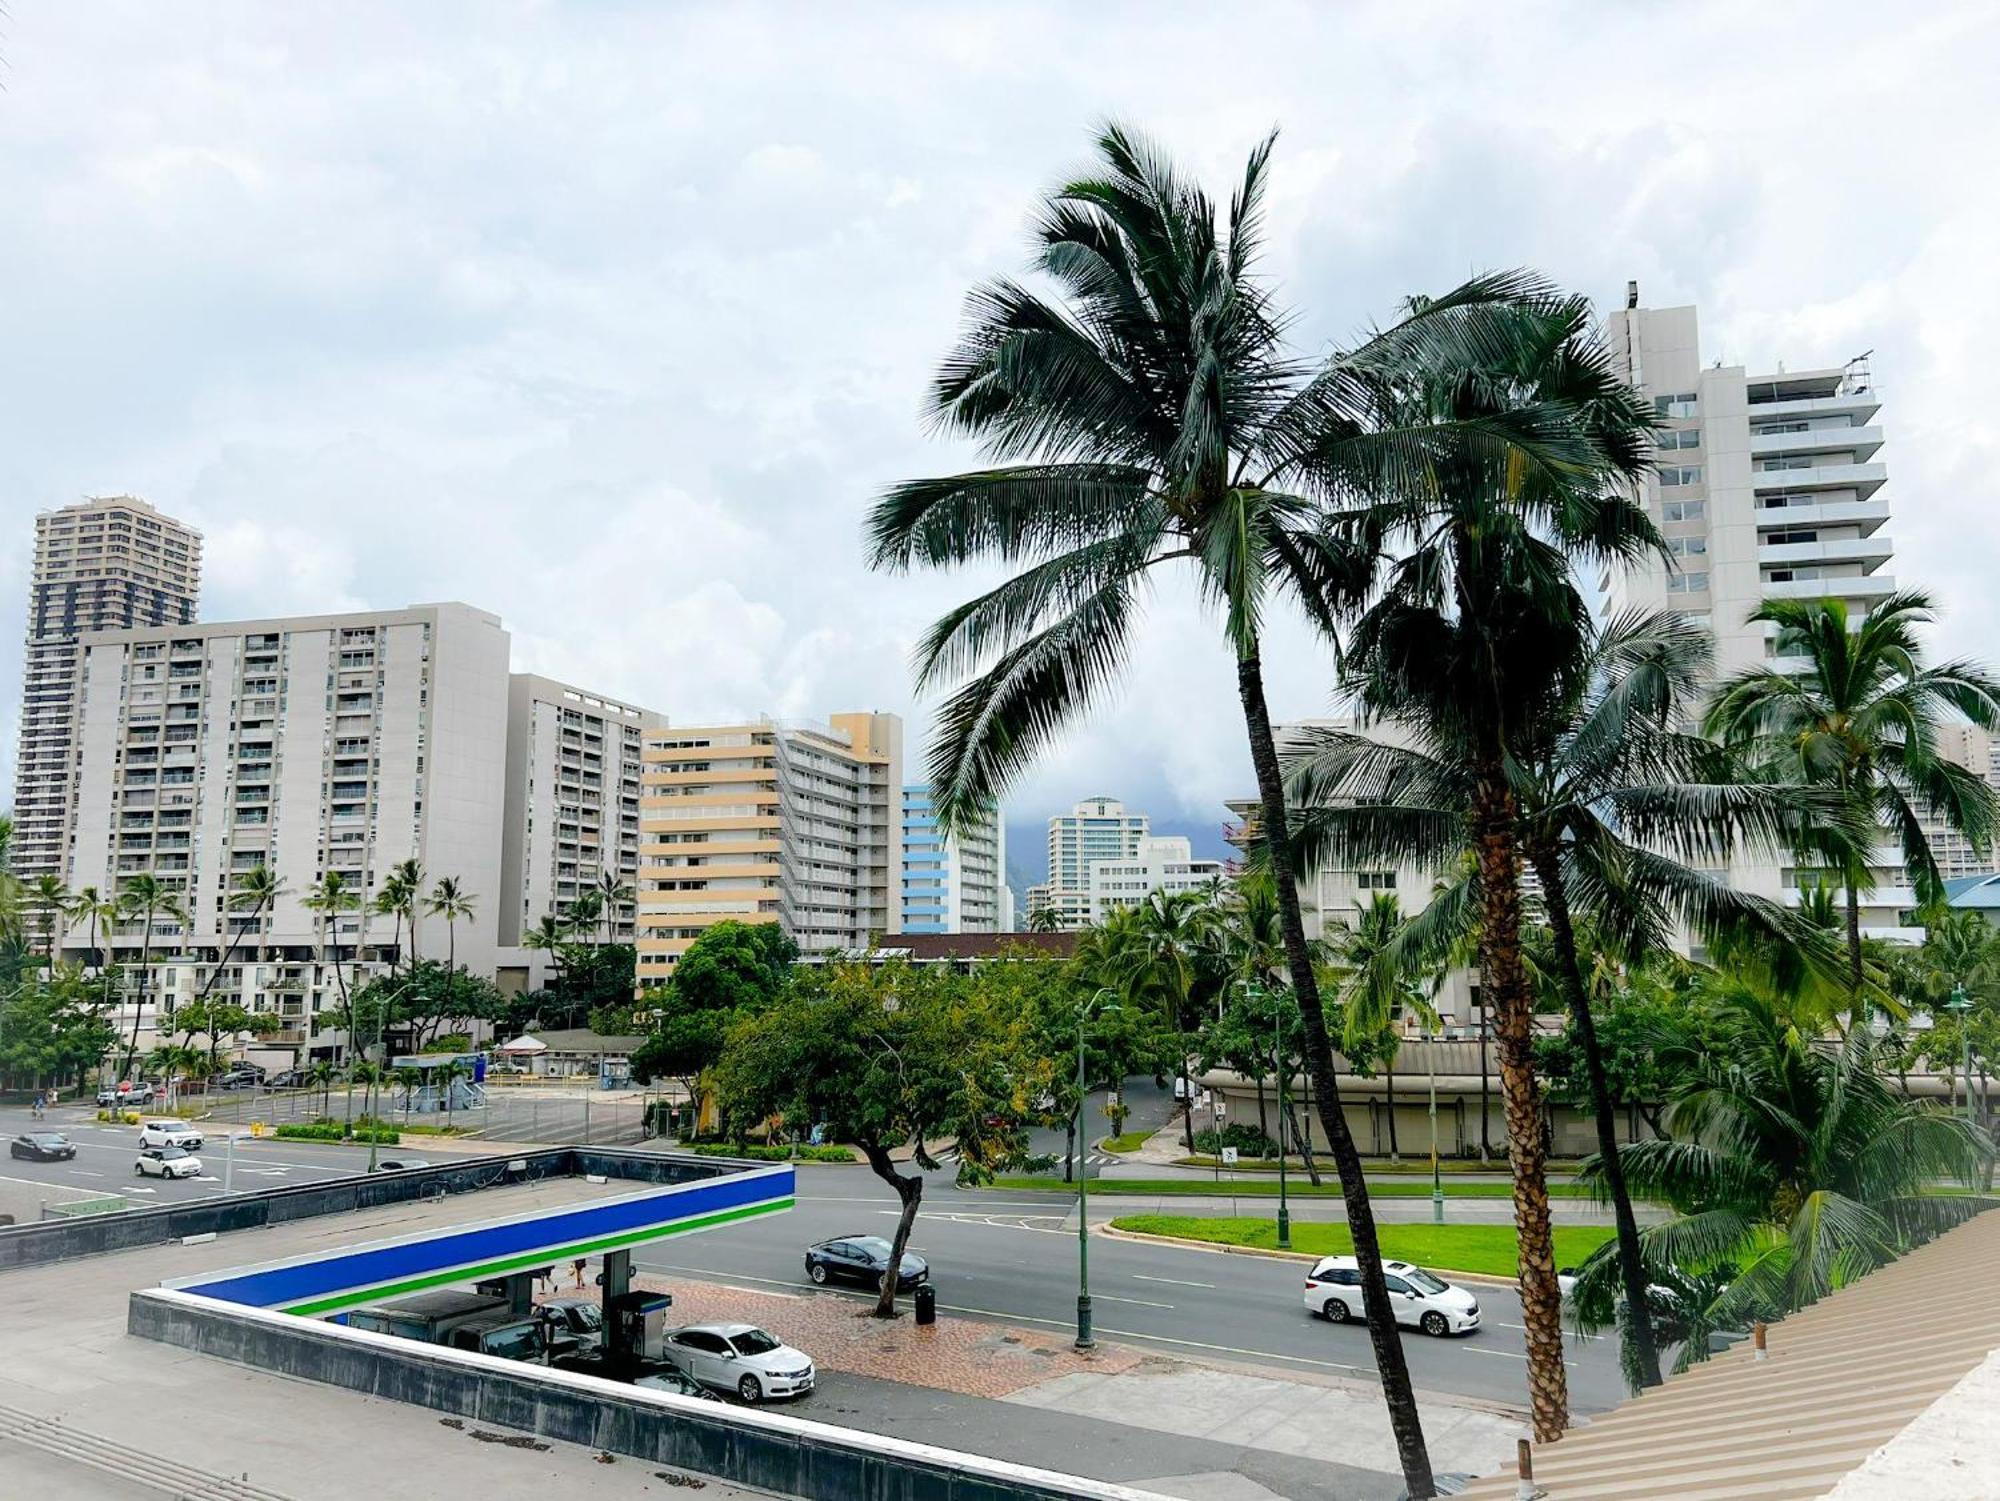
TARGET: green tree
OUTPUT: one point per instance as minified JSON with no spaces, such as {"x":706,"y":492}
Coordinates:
{"x":615,"y":897}
{"x":1380,"y":981}
{"x":51,"y":1030}
{"x":253,"y":891}
{"x":451,"y":901}
{"x":1859,"y":713}
{"x":91,"y":906}
{"x":146,"y":900}
{"x":733,"y":970}
{"x":397,"y":898}
{"x":893,"y":1059}
{"x":1794,"y":1170}
{"x":51,"y":901}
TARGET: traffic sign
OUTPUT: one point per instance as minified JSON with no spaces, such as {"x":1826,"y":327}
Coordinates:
{"x":1229,"y":1156}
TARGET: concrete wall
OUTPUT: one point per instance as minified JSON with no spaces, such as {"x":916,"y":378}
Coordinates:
{"x":785,"y":1455}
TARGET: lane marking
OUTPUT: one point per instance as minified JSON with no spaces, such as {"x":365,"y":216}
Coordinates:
{"x":1141,"y":1302}
{"x":1176,"y":1281}
{"x":1567,"y":1333}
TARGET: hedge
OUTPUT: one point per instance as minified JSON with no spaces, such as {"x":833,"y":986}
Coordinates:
{"x":335,"y":1131}
{"x":771,"y":1154}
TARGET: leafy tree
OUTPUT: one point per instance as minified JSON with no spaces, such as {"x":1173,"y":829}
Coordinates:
{"x":51,"y":1030}
{"x":733,"y":970}
{"x":220,"y":1020}
{"x":421,"y":1002}
{"x":1793,"y":1169}
{"x":892,"y":1059}
{"x":1862,"y":717}
{"x":1648,"y":1036}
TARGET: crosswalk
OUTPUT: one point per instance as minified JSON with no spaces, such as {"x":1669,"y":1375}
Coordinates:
{"x":1058,"y":1162}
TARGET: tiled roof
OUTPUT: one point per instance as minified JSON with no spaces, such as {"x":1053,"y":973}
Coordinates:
{"x":1842,"y":1378}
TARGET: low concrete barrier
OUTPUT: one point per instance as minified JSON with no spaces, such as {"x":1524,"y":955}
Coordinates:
{"x":36,"y":1245}
{"x":768,"y":1450}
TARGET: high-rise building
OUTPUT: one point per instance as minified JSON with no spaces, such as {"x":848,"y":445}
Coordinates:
{"x":1165,"y":864}
{"x":770,"y":821}
{"x":573,"y":775}
{"x":316,"y":744}
{"x":957,"y":882}
{"x":102,"y":564}
{"x":1098,"y":828}
{"x":1767,"y":486}
{"x":1975,"y":750}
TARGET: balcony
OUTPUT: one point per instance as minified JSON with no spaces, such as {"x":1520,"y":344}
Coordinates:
{"x":1869,"y":551}
{"x":1852,"y":586}
{"x":1868,"y":515}
{"x":1863,"y":479}
{"x":1861,"y":442}
{"x":1861,"y":405}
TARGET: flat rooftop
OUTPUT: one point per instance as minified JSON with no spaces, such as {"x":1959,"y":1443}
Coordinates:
{"x":88,"y":1412}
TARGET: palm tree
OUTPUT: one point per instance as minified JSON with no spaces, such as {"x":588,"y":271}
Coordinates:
{"x":1378,"y":985}
{"x":1861,"y":716}
{"x":1045,"y":919}
{"x":145,"y":899}
{"x":51,"y":901}
{"x":584,"y":912}
{"x":396,"y":898}
{"x":327,"y":901}
{"x":1151,"y":415}
{"x":1168,"y":935}
{"x":451,"y":902}
{"x":90,"y":905}
{"x":616,"y":894}
{"x":1796,"y":1171}
{"x":256,"y":891}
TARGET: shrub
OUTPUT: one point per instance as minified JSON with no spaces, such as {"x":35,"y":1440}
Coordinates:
{"x":771,"y":1154}
{"x":1246,"y":1139}
{"x":335,"y":1131}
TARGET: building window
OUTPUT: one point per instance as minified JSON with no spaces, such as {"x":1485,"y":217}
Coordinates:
{"x":1680,"y":547}
{"x":1789,"y":461}
{"x":1673,"y":475}
{"x":1375,"y":880}
{"x":1666,"y":439}
{"x":1679,"y":405}
{"x":1683,"y":510}
{"x":1686,"y":583}
{"x":1781,"y":539}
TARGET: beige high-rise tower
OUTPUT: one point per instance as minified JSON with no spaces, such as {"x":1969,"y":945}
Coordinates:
{"x":107,"y":563}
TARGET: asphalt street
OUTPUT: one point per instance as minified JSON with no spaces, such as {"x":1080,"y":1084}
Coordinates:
{"x":1014,"y":1257}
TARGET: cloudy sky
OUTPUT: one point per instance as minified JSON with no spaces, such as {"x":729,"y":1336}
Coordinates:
{"x":612,"y":317}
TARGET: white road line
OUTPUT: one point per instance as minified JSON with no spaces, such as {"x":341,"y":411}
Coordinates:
{"x":1567,"y":1333}
{"x":1140,"y":1302}
{"x":86,"y":1173}
{"x":1176,"y":1281}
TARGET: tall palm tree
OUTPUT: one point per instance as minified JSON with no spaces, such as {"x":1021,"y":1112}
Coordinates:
{"x":1150,"y":415}
{"x":1168,"y":934}
{"x":328,"y":901}
{"x":616,"y":893}
{"x":51,"y":901}
{"x":92,"y":906}
{"x":450,"y":900}
{"x":255,"y":891}
{"x":1379,"y":983}
{"x":1795,"y":1171}
{"x":145,"y":899}
{"x":1862,"y":716}
{"x":584,"y":912}
{"x":396,"y":898}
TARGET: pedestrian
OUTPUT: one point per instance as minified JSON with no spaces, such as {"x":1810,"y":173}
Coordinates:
{"x":577,"y":1267}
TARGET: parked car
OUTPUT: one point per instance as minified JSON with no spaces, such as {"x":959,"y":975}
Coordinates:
{"x":240,"y":1079}
{"x":170,"y":1134}
{"x":400,"y":1164}
{"x":288,"y":1078}
{"x":167,"y":1162}
{"x":740,"y":1358}
{"x":1421,"y":1298}
{"x":863,"y":1259}
{"x":659,"y":1375}
{"x":124,"y":1095}
{"x":42,"y":1146}
{"x":578,"y":1319}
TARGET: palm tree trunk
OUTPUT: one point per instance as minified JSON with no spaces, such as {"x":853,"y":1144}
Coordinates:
{"x":235,"y":939}
{"x":1644,"y":1357}
{"x":1404,"y":1420}
{"x":1485,"y":1092}
{"x":1854,"y":949}
{"x":1505,"y":980}
{"x":1303,"y":1141}
{"x":139,"y":1006}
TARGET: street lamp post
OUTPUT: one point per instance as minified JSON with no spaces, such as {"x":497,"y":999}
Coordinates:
{"x":1084,"y":1340}
{"x":1960,"y":1006}
{"x":1278,"y":1064}
{"x":1437,"y":1180}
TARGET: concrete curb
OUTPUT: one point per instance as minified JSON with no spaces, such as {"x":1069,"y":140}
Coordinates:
{"x":1478,"y":1279}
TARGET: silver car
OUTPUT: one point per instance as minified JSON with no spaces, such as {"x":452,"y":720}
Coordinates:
{"x":740,"y":1358}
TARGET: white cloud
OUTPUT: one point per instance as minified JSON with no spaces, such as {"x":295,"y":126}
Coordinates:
{"x":612,"y":319}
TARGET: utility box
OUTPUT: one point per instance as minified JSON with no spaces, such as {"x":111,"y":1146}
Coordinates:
{"x":638,"y":1323}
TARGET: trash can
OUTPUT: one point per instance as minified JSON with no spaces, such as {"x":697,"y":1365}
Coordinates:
{"x":926,"y":1303}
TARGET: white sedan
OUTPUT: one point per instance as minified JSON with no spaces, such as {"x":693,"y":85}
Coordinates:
{"x":1333,"y":1290}
{"x":170,"y":1134}
{"x":167,"y":1162}
{"x":742,"y":1359}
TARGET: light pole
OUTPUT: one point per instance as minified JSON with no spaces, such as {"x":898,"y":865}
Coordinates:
{"x":1084,"y":1341}
{"x":381,"y":1048}
{"x":1278,"y":1063}
{"x":1960,"y":1006}
{"x":1437,"y":1180}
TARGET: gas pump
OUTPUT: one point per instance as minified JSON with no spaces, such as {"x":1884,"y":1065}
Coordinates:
{"x":637,"y":1324}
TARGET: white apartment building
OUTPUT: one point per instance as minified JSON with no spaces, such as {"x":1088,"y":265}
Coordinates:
{"x":342,"y":743}
{"x":1098,"y":828}
{"x":1165,"y":864}
{"x":573,"y":783}
{"x":1975,"y":750}
{"x":1768,"y":486}
{"x":770,"y":821}
{"x":103,"y":564}
{"x":957,"y":882}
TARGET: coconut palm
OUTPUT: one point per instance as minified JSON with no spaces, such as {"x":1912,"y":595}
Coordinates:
{"x":51,"y":901}
{"x":584,"y":912}
{"x":1797,"y":1170}
{"x":1378,"y":982}
{"x":616,"y":894}
{"x":450,"y":900}
{"x":397,"y":898}
{"x":328,"y":901}
{"x":255,"y":891}
{"x":1610,"y":799}
{"x":1150,"y":416}
{"x":1168,"y":933}
{"x":145,"y":899}
{"x":90,"y":906}
{"x":1860,"y":713}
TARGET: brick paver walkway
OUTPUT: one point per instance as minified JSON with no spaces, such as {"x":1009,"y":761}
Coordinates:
{"x":972,"y":1356}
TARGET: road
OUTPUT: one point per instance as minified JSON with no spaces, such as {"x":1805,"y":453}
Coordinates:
{"x":1014,"y":1257}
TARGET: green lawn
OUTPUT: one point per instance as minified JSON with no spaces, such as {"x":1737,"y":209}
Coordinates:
{"x":1374,"y":1167}
{"x":1487,"y":1249}
{"x":1267,"y":1188}
{"x":1131,"y":1141}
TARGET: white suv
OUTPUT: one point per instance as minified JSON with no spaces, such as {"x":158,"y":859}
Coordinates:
{"x":170,"y":1134}
{"x":1333,"y":1289}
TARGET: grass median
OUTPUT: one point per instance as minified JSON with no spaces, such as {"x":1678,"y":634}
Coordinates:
{"x":1267,"y":1188}
{"x":1485,"y":1249}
